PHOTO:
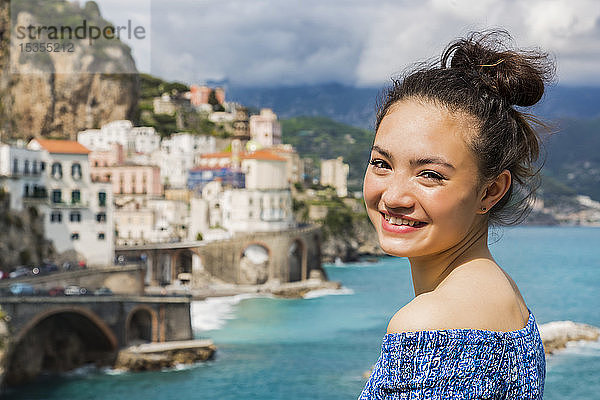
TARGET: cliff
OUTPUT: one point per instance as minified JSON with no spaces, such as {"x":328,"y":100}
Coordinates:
{"x":22,"y":237}
{"x":60,"y":94}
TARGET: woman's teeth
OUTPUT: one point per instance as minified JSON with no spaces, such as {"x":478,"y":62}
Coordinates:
{"x":400,"y":221}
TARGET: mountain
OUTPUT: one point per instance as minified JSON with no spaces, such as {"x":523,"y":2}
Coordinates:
{"x":59,"y":93}
{"x":346,"y":104}
{"x":356,"y":106}
{"x":573,"y":157}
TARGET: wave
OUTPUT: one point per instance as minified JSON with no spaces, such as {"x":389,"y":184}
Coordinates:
{"x":313,"y":294}
{"x":581,"y":348}
{"x":213,"y":312}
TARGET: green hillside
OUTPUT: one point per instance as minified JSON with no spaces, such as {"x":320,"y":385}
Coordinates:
{"x":321,"y":137}
{"x":574,"y":155}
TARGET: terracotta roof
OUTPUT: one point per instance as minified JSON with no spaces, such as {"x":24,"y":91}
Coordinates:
{"x":63,"y":146}
{"x":262,"y":154}
{"x":224,"y":154}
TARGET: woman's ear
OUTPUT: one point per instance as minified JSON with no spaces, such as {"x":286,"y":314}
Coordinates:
{"x":494,"y":191}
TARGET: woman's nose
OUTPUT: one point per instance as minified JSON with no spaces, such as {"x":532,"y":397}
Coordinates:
{"x":398,"y":195}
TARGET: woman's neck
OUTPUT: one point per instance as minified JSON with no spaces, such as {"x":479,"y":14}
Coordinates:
{"x":431,"y":270}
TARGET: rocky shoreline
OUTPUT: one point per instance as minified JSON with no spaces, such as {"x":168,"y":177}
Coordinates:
{"x":557,"y":334}
{"x":284,"y":290}
{"x":157,"y":356}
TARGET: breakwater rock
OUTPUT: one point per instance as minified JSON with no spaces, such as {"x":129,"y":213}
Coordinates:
{"x":156,"y":356}
{"x":555,"y":335}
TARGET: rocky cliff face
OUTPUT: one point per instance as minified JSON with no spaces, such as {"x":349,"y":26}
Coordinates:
{"x":60,"y":94}
{"x":362,"y":241}
{"x":22,"y":237}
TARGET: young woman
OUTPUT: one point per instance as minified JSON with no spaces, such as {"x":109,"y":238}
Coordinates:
{"x":451,"y":157}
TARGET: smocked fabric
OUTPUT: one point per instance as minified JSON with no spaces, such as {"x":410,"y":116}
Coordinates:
{"x":459,"y":364}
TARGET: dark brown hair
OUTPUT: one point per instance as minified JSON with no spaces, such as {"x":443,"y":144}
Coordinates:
{"x":482,"y":76}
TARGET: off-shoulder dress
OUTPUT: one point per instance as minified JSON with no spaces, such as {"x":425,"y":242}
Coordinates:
{"x":460,"y":364}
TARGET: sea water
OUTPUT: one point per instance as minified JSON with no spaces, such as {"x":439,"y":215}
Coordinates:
{"x":320,"y":347}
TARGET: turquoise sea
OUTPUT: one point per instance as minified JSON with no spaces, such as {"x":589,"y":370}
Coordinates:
{"x":319,"y":348}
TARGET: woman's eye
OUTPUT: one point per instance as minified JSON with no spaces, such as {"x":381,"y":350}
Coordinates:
{"x":378,"y":163}
{"x":432,"y":175}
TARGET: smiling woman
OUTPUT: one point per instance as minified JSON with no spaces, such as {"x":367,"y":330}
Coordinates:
{"x":451,"y":157}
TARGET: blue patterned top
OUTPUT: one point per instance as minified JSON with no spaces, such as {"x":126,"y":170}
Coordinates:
{"x":460,"y":364}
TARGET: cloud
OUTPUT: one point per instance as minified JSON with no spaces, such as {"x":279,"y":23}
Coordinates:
{"x":278,"y":42}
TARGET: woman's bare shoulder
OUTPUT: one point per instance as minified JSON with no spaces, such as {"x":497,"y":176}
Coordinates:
{"x":478,"y":297}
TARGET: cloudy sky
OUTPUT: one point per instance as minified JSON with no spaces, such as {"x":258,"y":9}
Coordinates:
{"x":359,"y":42}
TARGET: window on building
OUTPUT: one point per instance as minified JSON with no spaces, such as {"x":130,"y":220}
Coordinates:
{"x":26,"y":167}
{"x":35,"y":167}
{"x":101,"y":236}
{"x":76,"y":171}
{"x":56,"y":196}
{"x":56,"y":217}
{"x":75,"y":197}
{"x":56,"y":170}
{"x":15,"y":166}
{"x":74,"y":236}
{"x":42,"y":166}
{"x":102,"y":199}
{"x":101,"y":217}
{"x":26,"y":191}
{"x":75,"y":216}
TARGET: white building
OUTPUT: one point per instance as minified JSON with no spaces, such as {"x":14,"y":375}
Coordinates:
{"x":265,"y":129}
{"x":335,"y":173}
{"x":78,"y":212}
{"x":21,"y":170}
{"x":178,"y":154}
{"x":141,"y":139}
{"x":265,"y":204}
{"x":150,"y":220}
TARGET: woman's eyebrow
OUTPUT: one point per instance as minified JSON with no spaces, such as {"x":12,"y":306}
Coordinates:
{"x":381,"y":151}
{"x":431,"y":160}
{"x":416,"y":162}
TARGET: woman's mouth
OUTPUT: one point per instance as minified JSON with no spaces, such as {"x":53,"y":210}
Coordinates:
{"x":399,"y":224}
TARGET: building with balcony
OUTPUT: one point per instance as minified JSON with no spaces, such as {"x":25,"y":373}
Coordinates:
{"x":78,"y":212}
{"x":21,"y":172}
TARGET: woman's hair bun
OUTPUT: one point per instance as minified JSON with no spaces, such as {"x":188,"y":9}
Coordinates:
{"x":516,"y":76}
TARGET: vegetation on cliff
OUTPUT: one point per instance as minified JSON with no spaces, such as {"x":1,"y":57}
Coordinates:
{"x":324,"y":138}
{"x":347,"y":230}
{"x":184,"y":119}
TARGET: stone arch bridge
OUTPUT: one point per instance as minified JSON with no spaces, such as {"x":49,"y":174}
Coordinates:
{"x":62,"y":333}
{"x":257,"y":258}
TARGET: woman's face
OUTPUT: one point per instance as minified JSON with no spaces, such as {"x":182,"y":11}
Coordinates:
{"x":422,"y":170}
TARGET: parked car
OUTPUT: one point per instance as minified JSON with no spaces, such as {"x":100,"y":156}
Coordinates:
{"x":103,"y":291}
{"x":22,"y":289}
{"x":49,"y":267}
{"x":3,"y":275}
{"x":56,"y":291}
{"x":74,"y":290}
{"x":19,"y":272}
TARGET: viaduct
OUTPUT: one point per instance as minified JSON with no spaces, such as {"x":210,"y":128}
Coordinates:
{"x":61,"y":333}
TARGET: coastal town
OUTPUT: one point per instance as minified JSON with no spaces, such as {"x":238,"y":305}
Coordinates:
{"x":123,"y":185}
{"x":154,"y":218}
